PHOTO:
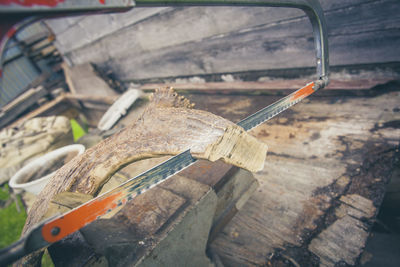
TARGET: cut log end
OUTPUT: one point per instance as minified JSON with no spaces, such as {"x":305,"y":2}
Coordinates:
{"x":238,"y":148}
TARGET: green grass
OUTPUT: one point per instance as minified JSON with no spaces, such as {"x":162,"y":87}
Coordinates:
{"x":11,"y":221}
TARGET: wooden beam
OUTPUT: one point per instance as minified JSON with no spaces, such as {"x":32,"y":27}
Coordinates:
{"x":15,"y":108}
{"x":273,"y":85}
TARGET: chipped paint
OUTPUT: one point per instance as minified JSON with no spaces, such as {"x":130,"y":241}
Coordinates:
{"x":31,"y":3}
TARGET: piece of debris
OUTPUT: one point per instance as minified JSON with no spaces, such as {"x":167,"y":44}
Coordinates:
{"x":118,"y":109}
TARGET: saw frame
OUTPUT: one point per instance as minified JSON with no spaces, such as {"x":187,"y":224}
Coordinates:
{"x":54,"y":229}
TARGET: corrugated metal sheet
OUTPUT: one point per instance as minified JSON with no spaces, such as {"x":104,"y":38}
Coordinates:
{"x":17,"y":75}
{"x":12,"y":50}
{"x":19,"y":71}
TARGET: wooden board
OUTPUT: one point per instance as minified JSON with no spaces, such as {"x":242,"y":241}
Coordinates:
{"x":12,"y":110}
{"x":65,"y":102}
{"x":323,"y":182}
{"x":268,"y":87}
{"x":82,"y":80}
{"x":324,"y":179}
{"x":172,"y":42}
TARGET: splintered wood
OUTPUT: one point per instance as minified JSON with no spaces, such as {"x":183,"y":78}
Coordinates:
{"x":169,"y":126}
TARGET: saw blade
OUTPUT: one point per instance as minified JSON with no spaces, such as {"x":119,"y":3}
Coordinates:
{"x":59,"y":227}
{"x":277,"y":107}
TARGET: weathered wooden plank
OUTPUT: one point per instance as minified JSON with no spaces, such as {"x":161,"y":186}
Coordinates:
{"x":251,"y":87}
{"x":93,"y":98}
{"x":345,"y":238}
{"x":64,"y":102}
{"x":256,"y":39}
{"x":219,"y":53}
{"x":75,"y":33}
{"x":101,"y":25}
{"x":166,"y":24}
{"x":19,"y":105}
{"x":53,"y":107}
{"x":323,"y":181}
{"x":82,"y":79}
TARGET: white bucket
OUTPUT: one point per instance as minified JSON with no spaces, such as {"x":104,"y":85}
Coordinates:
{"x":18,"y":181}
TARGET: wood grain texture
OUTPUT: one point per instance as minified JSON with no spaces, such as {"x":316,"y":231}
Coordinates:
{"x":329,"y":160}
{"x":344,"y":239}
{"x":269,"y":86}
{"x":203,"y":40}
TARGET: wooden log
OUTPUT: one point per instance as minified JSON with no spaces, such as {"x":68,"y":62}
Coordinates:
{"x":167,"y":127}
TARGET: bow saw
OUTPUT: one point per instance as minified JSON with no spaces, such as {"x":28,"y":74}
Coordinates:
{"x":56,"y":228}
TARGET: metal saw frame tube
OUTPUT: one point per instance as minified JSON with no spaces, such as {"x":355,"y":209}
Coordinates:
{"x":312,"y":8}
